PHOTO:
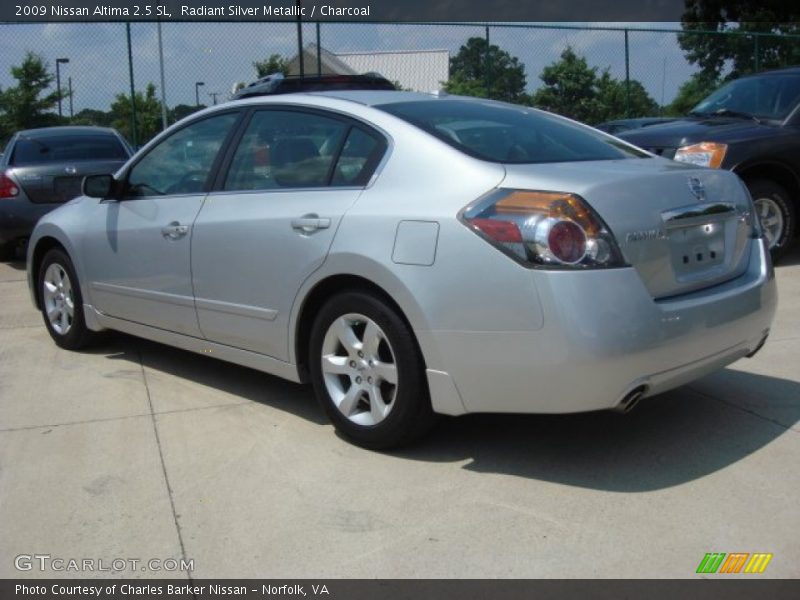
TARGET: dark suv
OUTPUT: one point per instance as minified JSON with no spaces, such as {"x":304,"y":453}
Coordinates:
{"x":752,"y":127}
{"x":277,"y":83}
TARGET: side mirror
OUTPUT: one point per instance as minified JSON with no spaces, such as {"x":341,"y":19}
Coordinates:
{"x":98,"y":186}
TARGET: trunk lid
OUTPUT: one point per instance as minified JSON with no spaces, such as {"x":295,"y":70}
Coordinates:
{"x":58,"y":182}
{"x":681,"y":227}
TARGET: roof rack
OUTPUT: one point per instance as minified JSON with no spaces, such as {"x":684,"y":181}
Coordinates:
{"x":278,"y":83}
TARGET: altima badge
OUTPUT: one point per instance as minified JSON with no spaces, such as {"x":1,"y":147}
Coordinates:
{"x":646,"y":235}
{"x":697,"y":188}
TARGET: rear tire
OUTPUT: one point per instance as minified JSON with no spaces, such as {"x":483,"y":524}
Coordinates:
{"x":777,"y":212}
{"x":61,"y":301}
{"x":368,"y":373}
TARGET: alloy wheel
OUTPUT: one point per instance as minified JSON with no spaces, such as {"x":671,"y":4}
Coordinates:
{"x":771,"y":217}
{"x":59,"y":303}
{"x":359,"y":369}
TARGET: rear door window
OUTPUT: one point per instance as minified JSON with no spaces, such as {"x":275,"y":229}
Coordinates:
{"x":286,"y":149}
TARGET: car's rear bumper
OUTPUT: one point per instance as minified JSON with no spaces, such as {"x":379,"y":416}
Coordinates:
{"x":18,"y":217}
{"x":604,"y":336}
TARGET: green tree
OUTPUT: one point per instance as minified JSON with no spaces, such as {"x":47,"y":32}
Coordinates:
{"x":181,"y":111}
{"x":487,"y":72}
{"x":148,"y":114}
{"x":616,"y":100}
{"x":29,"y":103}
{"x":712,"y":52}
{"x":691,"y":91}
{"x":275,"y":63}
{"x":570,"y":88}
{"x":91,"y":116}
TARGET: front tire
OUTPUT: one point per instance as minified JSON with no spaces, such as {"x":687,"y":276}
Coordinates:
{"x":61,"y":301}
{"x":368,"y":373}
{"x":777,"y":214}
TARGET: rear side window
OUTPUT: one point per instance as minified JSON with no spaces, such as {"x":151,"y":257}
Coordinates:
{"x":505,"y":133}
{"x":360,"y":155}
{"x":64,"y":148}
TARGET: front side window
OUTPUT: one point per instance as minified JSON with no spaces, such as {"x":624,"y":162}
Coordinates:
{"x":292,"y":149}
{"x":506,"y":133}
{"x":181,"y":163}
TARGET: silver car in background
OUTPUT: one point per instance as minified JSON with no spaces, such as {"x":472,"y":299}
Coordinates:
{"x":412,"y":254}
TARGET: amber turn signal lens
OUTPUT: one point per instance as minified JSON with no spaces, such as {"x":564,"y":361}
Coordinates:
{"x":704,"y":154}
{"x":554,"y":205}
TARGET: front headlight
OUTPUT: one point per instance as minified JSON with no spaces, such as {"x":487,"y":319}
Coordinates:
{"x":704,"y":154}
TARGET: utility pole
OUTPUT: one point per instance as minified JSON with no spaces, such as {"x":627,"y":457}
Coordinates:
{"x":627,"y":77}
{"x":164,"y":122}
{"x":214,"y":95}
{"x":319,"y":51}
{"x":59,"y":62}
{"x":300,"y":36}
{"x":133,"y":89}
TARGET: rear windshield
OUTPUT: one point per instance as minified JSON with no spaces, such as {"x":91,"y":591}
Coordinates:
{"x":65,"y":148}
{"x":509,"y":134}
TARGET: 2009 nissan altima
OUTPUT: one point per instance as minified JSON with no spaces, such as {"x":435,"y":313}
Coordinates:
{"x":411,"y":254}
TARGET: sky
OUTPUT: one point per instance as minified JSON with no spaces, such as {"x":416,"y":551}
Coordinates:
{"x":221,"y":54}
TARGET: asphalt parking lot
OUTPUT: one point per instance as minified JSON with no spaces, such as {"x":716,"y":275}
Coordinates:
{"x":135,"y":450}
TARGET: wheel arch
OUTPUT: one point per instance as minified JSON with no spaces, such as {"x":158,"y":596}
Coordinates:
{"x":777,"y":172}
{"x":37,"y":253}
{"x":325,"y":288}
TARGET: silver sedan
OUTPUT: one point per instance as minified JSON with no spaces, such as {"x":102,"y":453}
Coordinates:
{"x":412,"y":254}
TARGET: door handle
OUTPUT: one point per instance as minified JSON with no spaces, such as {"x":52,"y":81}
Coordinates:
{"x":310,"y":223}
{"x":174,"y":231}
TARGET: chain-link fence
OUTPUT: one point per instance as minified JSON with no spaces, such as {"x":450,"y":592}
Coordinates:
{"x":180,"y":66}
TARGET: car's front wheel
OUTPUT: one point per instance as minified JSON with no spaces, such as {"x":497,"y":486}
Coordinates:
{"x":367,"y":372}
{"x":61,"y":301}
{"x":776,"y":212}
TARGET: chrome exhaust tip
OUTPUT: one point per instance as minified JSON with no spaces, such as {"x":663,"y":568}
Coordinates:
{"x":630,"y":400}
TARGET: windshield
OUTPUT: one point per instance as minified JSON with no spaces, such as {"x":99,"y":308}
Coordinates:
{"x":62,"y":148}
{"x":509,"y":134}
{"x":770,"y":97}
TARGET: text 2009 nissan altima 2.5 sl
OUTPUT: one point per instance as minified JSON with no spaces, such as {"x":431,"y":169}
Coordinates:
{"x":412,"y":254}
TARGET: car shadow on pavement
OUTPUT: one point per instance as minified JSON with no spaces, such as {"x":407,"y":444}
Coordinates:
{"x":248,"y":384}
{"x":667,"y":440}
{"x":18,"y":264}
{"x":792,"y":257}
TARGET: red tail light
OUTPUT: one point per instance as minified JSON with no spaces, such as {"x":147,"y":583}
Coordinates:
{"x":499,"y":231}
{"x":544,"y":229}
{"x":8,"y":189}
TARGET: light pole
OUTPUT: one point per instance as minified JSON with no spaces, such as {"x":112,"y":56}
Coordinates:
{"x":69,"y":87}
{"x":163,"y":85}
{"x":197,"y":92}
{"x":213,"y":96}
{"x":59,"y":62}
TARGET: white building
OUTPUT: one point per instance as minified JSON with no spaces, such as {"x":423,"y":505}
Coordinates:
{"x":417,"y":70}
